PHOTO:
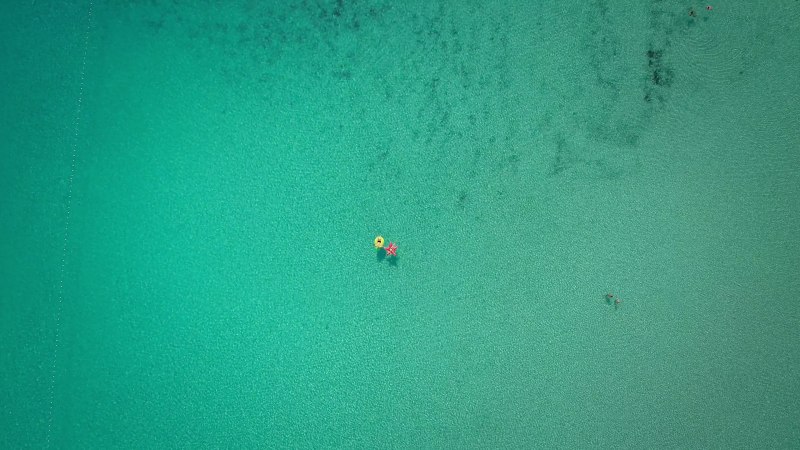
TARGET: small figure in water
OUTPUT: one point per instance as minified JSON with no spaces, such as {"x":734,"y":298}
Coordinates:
{"x":615,"y":298}
{"x":709,"y":8}
{"x":692,"y":13}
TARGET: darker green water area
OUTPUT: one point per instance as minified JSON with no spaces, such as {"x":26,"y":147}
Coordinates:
{"x":189,"y":195}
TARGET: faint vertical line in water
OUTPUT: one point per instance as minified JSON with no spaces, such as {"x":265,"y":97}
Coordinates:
{"x":73,"y":161}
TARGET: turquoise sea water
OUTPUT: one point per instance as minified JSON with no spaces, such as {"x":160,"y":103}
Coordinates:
{"x":189,"y":194}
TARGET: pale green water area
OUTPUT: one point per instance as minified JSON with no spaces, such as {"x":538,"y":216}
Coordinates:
{"x":189,"y":193}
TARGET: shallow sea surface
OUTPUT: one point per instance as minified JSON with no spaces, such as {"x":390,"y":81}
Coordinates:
{"x":189,"y":192}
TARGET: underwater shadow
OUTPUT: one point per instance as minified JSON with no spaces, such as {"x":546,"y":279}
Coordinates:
{"x":381,"y":256}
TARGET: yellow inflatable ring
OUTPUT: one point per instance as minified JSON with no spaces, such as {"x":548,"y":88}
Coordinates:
{"x":379,"y":242}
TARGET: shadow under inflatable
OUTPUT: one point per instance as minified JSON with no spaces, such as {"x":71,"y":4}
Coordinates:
{"x":381,"y":256}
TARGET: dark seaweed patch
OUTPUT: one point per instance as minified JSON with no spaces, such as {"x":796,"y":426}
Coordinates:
{"x":659,"y":75}
{"x":561,"y":161}
{"x":343,"y":74}
{"x":461,"y":201}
